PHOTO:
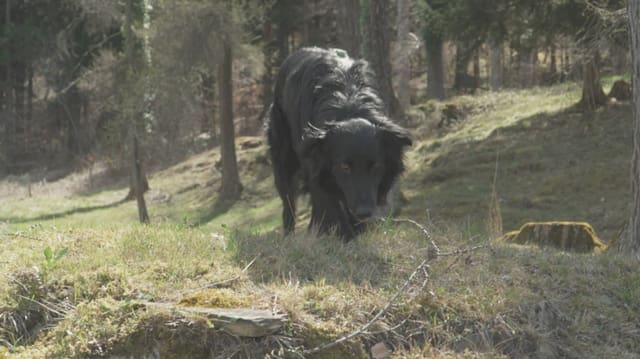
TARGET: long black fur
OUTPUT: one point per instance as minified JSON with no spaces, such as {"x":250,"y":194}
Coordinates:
{"x":328,"y":131}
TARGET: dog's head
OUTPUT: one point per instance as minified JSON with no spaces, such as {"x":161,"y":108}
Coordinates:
{"x":356,"y":159}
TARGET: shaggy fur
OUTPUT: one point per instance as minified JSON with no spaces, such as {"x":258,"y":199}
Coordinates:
{"x":327,"y":130}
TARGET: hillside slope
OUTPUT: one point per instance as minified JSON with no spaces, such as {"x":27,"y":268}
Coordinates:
{"x":79,"y":268}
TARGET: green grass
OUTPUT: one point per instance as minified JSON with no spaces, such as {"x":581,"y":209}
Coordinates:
{"x":500,"y":301}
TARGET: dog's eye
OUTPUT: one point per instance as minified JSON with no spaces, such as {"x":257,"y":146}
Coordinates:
{"x":344,"y":167}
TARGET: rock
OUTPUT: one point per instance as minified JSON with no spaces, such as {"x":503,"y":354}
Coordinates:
{"x":243,"y":322}
{"x":568,"y":236}
{"x":621,"y":91}
{"x":249,"y":143}
{"x":380,"y":351}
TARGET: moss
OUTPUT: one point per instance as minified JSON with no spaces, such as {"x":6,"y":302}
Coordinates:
{"x":510,"y":236}
{"x":214,"y":298}
{"x":315,"y":336}
{"x":569,"y":236}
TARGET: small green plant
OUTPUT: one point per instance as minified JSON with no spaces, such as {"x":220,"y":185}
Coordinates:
{"x":230,"y":238}
{"x":52,"y":258}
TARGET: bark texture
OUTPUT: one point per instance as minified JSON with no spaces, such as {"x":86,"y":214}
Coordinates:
{"x":231,"y":186}
{"x":496,"y":59}
{"x":435,"y":68}
{"x":404,"y":54}
{"x":378,"y":54}
{"x":592,"y":94}
{"x":631,"y":243}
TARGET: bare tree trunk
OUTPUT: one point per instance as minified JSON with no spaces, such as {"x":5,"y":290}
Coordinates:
{"x":138,"y":177}
{"x":527,"y":67}
{"x":404,"y":54}
{"x":306,"y":22}
{"x":553,"y":67}
{"x":138,"y":183}
{"x":349,"y":26}
{"x":435,"y":68}
{"x":631,"y":244}
{"x":29,"y":114}
{"x":8,"y":75}
{"x":269,"y":57}
{"x":19,"y":89}
{"x":378,"y":50}
{"x":619,"y":58}
{"x":209,"y":107}
{"x":563,"y":66}
{"x":8,"y":88}
{"x":593,"y":95}
{"x":231,"y":186}
{"x":462,"y":80}
{"x":476,"y":66}
{"x":496,"y":63}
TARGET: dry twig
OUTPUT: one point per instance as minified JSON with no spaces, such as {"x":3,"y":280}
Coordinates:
{"x":375,"y":318}
{"x":422,"y":267}
{"x":223,"y":283}
{"x":19,"y":235}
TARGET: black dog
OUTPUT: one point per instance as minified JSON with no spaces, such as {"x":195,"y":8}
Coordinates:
{"x":327,"y":128}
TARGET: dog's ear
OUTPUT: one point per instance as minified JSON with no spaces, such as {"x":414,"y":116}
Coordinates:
{"x":312,"y":149}
{"x":312,"y":139}
{"x":394,"y":138}
{"x":394,"y":135}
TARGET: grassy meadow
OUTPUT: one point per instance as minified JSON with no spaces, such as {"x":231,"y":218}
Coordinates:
{"x":76,"y":265}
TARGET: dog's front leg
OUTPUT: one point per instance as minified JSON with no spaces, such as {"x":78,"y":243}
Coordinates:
{"x":328,"y":214}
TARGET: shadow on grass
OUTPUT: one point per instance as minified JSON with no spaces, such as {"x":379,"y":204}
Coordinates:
{"x":564,"y":165}
{"x":220,"y":207}
{"x":50,"y":216}
{"x":306,"y":257}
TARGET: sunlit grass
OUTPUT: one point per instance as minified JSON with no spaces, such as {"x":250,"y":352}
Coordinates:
{"x":501,"y":300}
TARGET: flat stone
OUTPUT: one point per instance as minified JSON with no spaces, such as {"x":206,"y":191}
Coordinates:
{"x":243,"y":322}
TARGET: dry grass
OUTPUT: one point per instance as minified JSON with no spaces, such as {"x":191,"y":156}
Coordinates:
{"x":497,"y":301}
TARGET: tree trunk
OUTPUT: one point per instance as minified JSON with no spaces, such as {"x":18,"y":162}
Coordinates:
{"x":435,"y":68}
{"x":462,"y":79}
{"x":306,"y":23}
{"x":8,"y":91}
{"x":231,"y":186}
{"x":631,"y":243}
{"x":592,"y":94}
{"x":140,"y":181}
{"x":378,"y":50}
{"x":619,"y":58}
{"x":9,"y":127}
{"x":553,"y":67}
{"x":269,"y":58}
{"x":527,"y":60}
{"x":496,"y":64}
{"x":404,"y":54}
{"x":280,"y":12}
{"x":349,"y":27}
{"x":29,"y":114}
{"x":19,"y":89}
{"x":209,"y":107}
{"x":476,"y":66}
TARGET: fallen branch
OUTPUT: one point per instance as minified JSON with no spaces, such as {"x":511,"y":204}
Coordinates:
{"x":223,"y":283}
{"x":422,"y":267}
{"x":421,"y":227}
{"x":20,"y":235}
{"x":462,"y":251}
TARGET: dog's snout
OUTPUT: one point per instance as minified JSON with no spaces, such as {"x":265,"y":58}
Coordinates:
{"x":364,"y":212}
